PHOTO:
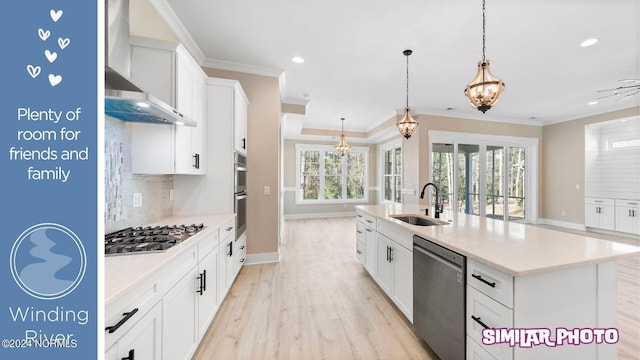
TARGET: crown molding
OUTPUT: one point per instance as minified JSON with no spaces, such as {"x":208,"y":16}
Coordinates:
{"x":243,"y":68}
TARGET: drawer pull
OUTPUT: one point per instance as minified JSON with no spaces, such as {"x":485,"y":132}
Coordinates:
{"x":478,"y":277}
{"x":369,"y":221}
{"x":230,"y":228}
{"x":126,"y":317}
{"x":477,"y":319}
{"x":359,"y":231}
{"x":131,"y":356}
{"x":358,"y":215}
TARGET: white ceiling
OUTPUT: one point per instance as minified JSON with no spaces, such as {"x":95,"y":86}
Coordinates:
{"x":354,"y":66}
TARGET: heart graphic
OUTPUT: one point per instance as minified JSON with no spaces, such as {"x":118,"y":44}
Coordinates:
{"x":55,"y":15}
{"x":55,"y":79}
{"x":44,"y":34}
{"x":34,"y":71}
{"x":51,"y":56}
{"x":63,"y":43}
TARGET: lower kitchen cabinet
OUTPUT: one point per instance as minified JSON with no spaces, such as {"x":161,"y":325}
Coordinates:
{"x":179,"y":319}
{"x":143,"y":341}
{"x":395,"y":274}
{"x":371,"y":246}
{"x":206,"y":289}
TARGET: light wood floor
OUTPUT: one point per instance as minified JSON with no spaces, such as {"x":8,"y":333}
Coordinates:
{"x":319,"y":303}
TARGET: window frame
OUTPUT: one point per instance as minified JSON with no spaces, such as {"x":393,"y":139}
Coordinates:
{"x":383,"y":148}
{"x":321,"y":173}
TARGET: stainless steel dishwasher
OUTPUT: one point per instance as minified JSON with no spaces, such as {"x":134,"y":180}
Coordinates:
{"x":439,"y":298}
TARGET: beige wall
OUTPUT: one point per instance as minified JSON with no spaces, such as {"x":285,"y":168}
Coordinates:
{"x":563,"y":155}
{"x":291,"y":209}
{"x":263,"y":154}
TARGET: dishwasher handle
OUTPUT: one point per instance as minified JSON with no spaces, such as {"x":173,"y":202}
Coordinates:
{"x":437,"y":258}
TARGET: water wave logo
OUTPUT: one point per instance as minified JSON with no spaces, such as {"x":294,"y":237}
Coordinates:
{"x":48,"y":261}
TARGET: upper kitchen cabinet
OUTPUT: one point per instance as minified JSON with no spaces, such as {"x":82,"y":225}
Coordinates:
{"x":169,"y":73}
{"x":240,"y":122}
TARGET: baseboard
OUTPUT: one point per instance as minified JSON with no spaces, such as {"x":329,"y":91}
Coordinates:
{"x":262,"y":258}
{"x":563,"y":224}
{"x":319,"y":215}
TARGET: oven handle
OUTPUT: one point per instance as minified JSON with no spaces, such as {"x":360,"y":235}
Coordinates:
{"x":241,"y":197}
{"x":241,"y":168}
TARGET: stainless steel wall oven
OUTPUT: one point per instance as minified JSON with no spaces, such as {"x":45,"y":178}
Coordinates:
{"x":240,"y":193}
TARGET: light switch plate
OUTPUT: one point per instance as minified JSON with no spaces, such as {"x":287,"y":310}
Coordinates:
{"x":267,"y":190}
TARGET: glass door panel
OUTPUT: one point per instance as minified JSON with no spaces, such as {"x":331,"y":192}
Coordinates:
{"x":442,"y":166}
{"x":468,"y":179}
{"x":495,"y":185}
{"x":516,"y":183}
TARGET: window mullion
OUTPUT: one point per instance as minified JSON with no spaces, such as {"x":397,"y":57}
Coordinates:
{"x":322,"y":176}
{"x":344,"y":177}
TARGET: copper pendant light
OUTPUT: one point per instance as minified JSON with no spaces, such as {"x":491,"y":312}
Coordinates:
{"x":485,"y":89}
{"x":408,"y":125}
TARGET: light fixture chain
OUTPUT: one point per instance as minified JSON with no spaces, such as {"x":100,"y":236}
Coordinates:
{"x":484,"y":28}
{"x":407,"y":80}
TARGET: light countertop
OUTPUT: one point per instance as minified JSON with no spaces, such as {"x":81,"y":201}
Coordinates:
{"x":514,"y":248}
{"x":122,"y":272}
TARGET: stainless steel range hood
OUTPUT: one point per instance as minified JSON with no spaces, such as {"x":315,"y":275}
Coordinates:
{"x":125,"y":100}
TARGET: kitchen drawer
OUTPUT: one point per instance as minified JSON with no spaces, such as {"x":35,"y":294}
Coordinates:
{"x":360,"y":215}
{"x":207,"y":243}
{"x":179,"y":266}
{"x":142,"y":296}
{"x":242,"y":248}
{"x":359,"y":230}
{"x":361,"y":250}
{"x":227,"y":229}
{"x":494,"y":283}
{"x":492,"y":314}
{"x":475,"y":351}
{"x":397,"y":234}
{"x":599,"y":201}
{"x":629,"y":203}
{"x":370,"y":220}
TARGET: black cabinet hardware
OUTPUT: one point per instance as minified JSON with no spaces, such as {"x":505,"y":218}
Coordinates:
{"x":230,"y":228}
{"x":359,"y":231}
{"x":126,"y":317}
{"x":359,"y":252}
{"x":244,"y":143}
{"x":204,"y":281}
{"x":477,"y":319}
{"x":478,"y":277}
{"x":390,"y":254}
{"x":230,"y":252}
{"x":131,"y":354}
{"x":196,"y":159}
{"x":369,"y":221}
{"x":369,"y":230}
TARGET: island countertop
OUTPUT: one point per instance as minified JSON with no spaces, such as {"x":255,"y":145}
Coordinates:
{"x":514,"y":248}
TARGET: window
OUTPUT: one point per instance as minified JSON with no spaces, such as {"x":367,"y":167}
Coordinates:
{"x":324,"y":176}
{"x":391,"y":156}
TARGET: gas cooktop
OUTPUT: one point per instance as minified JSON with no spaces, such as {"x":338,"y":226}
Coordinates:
{"x":147,"y":239}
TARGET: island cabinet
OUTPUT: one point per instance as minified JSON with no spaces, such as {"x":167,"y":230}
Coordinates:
{"x":369,"y":243}
{"x":574,"y":298}
{"x":170,"y":73}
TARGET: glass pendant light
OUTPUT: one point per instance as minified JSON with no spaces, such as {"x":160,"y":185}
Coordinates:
{"x":408,"y":125}
{"x":342,"y":147}
{"x":485,"y":89}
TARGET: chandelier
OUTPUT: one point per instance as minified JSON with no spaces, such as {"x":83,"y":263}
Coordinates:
{"x":485,"y":89}
{"x":408,"y":125}
{"x":342,"y":147}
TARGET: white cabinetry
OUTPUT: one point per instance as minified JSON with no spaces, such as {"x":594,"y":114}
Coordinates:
{"x":628,"y":216}
{"x":206,"y":287}
{"x":142,"y":341}
{"x":371,"y":247}
{"x":361,"y":248}
{"x":240,"y":124}
{"x":226,"y":271}
{"x":169,"y":73}
{"x":599,"y":213}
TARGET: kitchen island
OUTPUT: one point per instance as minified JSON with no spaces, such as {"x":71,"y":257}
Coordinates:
{"x":517,"y":277}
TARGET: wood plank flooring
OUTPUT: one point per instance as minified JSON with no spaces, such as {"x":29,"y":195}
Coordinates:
{"x":319,"y":303}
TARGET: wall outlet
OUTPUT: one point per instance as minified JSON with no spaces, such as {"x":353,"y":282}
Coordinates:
{"x":170,"y":194}
{"x":563,"y":213}
{"x":267,"y":190}
{"x":577,"y":186}
{"x":137,"y":200}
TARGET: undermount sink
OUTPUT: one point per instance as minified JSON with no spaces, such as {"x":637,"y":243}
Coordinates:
{"x":418,"y":220}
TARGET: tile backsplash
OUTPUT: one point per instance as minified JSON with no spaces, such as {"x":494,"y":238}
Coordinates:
{"x":121,"y":184}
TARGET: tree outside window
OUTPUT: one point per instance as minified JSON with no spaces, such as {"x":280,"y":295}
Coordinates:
{"x":392,"y":177}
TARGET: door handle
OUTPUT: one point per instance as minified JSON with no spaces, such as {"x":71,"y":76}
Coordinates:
{"x":479,"y":321}
{"x":126,"y":317}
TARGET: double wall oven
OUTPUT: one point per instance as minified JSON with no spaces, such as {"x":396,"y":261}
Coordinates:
{"x":240,"y":193}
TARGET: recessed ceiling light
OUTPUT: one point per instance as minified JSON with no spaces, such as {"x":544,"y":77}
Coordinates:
{"x":592,"y":102}
{"x":589,"y":42}
{"x":297,"y":59}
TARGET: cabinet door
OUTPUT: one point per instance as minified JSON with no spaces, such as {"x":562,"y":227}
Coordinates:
{"x":179,"y":339}
{"x":240,"y":124}
{"x":607,"y":217}
{"x":144,"y":340}
{"x":361,"y":251}
{"x":371,"y":245}
{"x":384,"y":266}
{"x":239,"y":254}
{"x":402,"y":261}
{"x":592,"y":218}
{"x":225,"y":268}
{"x":184,"y":160}
{"x":207,"y":297}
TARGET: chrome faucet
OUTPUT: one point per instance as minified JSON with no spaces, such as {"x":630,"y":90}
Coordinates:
{"x":437,"y":209}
